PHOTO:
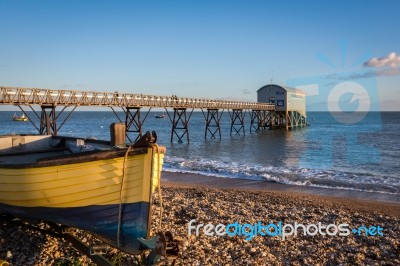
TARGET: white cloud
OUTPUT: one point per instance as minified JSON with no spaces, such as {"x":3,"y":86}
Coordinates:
{"x":391,"y":60}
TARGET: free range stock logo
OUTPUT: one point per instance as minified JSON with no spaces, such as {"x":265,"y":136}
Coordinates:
{"x":279,"y":229}
{"x":350,"y":95}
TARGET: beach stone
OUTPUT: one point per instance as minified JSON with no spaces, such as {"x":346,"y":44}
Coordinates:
{"x":263,"y":254}
{"x":9,"y":255}
{"x":192,"y":238}
{"x":40,"y":249}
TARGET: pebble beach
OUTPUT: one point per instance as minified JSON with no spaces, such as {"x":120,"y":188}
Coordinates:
{"x":220,"y":205}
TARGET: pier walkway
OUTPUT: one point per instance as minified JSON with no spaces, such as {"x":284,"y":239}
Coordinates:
{"x":132,"y":105}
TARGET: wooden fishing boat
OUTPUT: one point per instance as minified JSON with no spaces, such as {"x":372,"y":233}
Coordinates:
{"x":21,"y":118}
{"x":102,"y":187}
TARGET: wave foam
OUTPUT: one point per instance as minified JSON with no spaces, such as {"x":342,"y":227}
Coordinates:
{"x":285,"y":175}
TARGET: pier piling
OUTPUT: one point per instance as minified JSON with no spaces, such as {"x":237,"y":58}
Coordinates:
{"x":237,"y":121}
{"x":133,"y":122}
{"x":180,"y":124}
{"x":212,"y":122}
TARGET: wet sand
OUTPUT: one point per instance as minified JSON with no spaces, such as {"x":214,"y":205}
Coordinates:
{"x":370,"y":200}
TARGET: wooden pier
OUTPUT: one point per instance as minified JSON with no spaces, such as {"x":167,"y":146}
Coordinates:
{"x":179,"y":110}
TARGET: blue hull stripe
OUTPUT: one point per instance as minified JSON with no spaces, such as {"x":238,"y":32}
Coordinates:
{"x":101,"y":220}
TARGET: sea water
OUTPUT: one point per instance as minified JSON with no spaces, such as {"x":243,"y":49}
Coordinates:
{"x":362,"y":155}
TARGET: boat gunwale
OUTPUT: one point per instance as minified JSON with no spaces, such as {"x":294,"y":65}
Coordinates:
{"x":76,"y":158}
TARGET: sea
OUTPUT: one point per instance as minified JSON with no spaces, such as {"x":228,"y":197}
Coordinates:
{"x":348,"y":151}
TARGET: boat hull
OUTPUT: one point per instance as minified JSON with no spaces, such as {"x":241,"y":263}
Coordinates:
{"x":20,"y":119}
{"x":100,"y":220}
{"x":101,"y":196}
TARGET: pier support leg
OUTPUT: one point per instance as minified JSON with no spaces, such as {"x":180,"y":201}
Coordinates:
{"x":133,"y":122}
{"x":259,"y":120}
{"x":212,"y":121}
{"x":271,"y":119}
{"x":180,"y":124}
{"x":287,"y":120}
{"x":294,"y":119}
{"x":278,"y":119}
{"x":255,"y":122}
{"x":237,"y":121}
{"x":48,"y":120}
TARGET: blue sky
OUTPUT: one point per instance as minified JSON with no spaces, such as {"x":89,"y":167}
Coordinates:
{"x":208,"y":49}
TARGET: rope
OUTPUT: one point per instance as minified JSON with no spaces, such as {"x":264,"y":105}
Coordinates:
{"x":3,"y":263}
{"x":122,"y":185}
{"x":159,"y":185}
{"x":120,"y":195}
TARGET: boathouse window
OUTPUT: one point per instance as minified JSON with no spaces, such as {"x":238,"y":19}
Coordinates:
{"x":281,"y":103}
{"x":271,"y":99}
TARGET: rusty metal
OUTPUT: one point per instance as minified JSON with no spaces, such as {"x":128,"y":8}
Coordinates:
{"x":161,"y":246}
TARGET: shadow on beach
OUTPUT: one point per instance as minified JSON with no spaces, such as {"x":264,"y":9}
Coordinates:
{"x":20,"y":245}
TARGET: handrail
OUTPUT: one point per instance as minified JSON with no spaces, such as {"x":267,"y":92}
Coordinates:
{"x":30,"y":96}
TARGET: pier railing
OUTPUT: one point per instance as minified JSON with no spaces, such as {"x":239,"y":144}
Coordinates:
{"x":31,"y":96}
{"x":132,"y":105}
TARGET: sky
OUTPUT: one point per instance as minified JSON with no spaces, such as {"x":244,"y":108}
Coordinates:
{"x":205,"y":49}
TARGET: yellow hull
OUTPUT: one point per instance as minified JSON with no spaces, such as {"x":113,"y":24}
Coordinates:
{"x":20,"y":119}
{"x":92,"y":185}
{"x":82,"y":184}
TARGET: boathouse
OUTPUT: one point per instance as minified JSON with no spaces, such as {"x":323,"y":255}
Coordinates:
{"x":290,"y":105}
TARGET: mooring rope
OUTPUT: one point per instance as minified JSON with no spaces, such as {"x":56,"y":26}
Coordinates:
{"x":159,"y":184}
{"x":159,"y":165}
{"x":120,"y":195}
{"x":3,"y":263}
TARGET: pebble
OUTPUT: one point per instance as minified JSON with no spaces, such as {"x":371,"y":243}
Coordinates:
{"x":9,"y":255}
{"x":21,"y":246}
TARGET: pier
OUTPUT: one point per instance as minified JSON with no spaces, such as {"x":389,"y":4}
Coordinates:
{"x":179,"y":110}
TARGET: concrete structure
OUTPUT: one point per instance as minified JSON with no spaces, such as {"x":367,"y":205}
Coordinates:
{"x":290,"y":105}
